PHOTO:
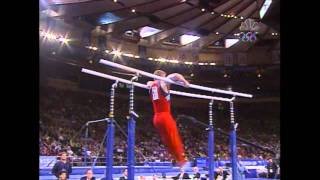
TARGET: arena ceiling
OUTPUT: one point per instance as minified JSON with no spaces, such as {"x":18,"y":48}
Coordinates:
{"x":212,"y":21}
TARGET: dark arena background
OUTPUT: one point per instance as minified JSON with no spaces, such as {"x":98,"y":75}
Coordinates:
{"x":92,"y":125}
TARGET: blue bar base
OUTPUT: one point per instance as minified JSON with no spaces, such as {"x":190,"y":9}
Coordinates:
{"x":131,"y":144}
{"x":233,"y":146}
{"x":109,"y":153}
{"x":210,"y":153}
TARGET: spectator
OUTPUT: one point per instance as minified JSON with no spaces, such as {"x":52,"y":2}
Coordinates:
{"x":63,"y":175}
{"x":181,"y":175}
{"x":62,"y":165}
{"x":89,"y":175}
{"x":221,"y":174}
{"x":124,"y":175}
{"x":271,"y":169}
{"x":196,"y":174}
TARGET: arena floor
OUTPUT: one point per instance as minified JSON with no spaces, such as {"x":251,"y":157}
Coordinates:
{"x":148,"y":176}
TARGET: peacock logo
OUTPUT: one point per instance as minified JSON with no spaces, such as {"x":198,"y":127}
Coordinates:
{"x":249,"y":25}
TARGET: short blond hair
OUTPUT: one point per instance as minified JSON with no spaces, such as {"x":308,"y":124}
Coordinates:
{"x":159,"y":73}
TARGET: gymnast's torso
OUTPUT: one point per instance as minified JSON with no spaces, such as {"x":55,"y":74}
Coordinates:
{"x":160,"y":99}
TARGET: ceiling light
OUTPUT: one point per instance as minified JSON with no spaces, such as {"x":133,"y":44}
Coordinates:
{"x":186,"y":39}
{"x":116,"y":53}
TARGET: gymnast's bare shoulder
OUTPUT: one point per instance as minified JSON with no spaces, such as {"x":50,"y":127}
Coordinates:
{"x":149,"y":84}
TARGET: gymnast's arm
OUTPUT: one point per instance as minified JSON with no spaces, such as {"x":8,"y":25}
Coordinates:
{"x":149,"y":84}
{"x":178,"y":78}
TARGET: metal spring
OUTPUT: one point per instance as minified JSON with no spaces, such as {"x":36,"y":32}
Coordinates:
{"x":231,"y":112}
{"x":210,"y":113}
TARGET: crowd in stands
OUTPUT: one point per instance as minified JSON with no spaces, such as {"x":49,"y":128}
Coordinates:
{"x":63,"y":114}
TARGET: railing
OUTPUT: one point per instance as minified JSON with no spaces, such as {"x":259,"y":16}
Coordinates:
{"x":101,"y":161}
{"x":200,"y":161}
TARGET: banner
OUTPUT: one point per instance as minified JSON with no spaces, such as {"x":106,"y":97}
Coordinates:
{"x":247,"y":162}
{"x":47,"y":161}
{"x":202,"y":162}
{"x":242,"y":59}
{"x":228,"y":59}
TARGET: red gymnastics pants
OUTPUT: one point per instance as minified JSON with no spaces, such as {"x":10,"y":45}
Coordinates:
{"x":167,"y":129}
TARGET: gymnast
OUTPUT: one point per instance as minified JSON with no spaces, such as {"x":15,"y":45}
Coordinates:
{"x":162,"y":119}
